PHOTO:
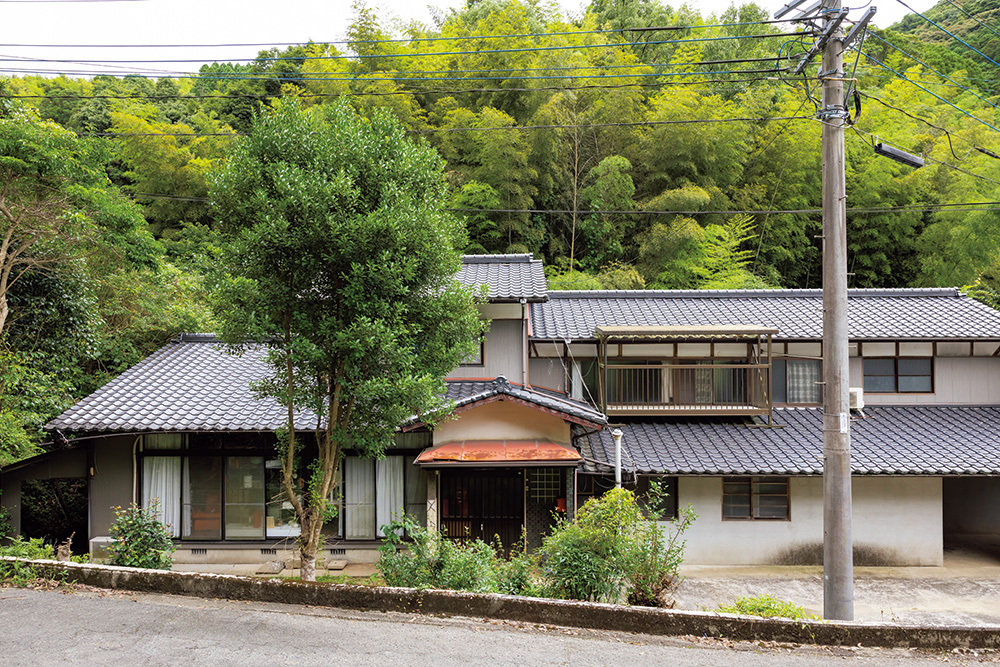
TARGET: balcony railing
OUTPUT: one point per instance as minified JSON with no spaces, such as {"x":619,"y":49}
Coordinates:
{"x":707,"y":389}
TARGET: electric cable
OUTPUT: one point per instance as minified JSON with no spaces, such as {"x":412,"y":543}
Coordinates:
{"x":915,"y":59}
{"x":905,"y":78}
{"x":951,"y":34}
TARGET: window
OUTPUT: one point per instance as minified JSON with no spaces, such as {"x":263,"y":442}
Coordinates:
{"x":377,"y":492}
{"x":477,"y":358}
{"x":900,"y":375}
{"x":667,"y":505}
{"x":215,"y":496}
{"x":748,"y":498}
{"x":796,"y":381}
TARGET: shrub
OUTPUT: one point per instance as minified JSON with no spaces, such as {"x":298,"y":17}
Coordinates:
{"x":652,"y":564}
{"x":19,"y":574}
{"x":5,"y":527}
{"x":140,"y":539}
{"x":431,"y":560}
{"x":34,"y":548}
{"x":764,"y":605}
{"x":611,"y":552}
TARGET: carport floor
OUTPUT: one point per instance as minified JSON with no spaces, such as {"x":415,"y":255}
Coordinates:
{"x":964,"y":591}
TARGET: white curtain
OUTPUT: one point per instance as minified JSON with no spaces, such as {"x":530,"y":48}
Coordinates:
{"x":359,"y":497}
{"x":389,"y":483}
{"x":802,"y":381}
{"x":161,"y":480}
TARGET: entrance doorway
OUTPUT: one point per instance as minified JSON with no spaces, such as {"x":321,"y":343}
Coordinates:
{"x":483,"y":504}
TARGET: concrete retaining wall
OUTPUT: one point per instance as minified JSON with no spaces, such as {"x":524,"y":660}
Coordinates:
{"x":644,"y":620}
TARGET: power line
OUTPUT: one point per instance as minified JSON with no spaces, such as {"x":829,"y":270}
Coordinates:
{"x":432,"y":54}
{"x":929,"y":159}
{"x":266,"y":96}
{"x":881,"y":39}
{"x":905,"y":78}
{"x":966,"y":206}
{"x":465,"y":91}
{"x":947,"y":134}
{"x":971,"y":16}
{"x":395,"y":78}
{"x":948,"y":33}
{"x":406,"y":40}
{"x":473,"y":129}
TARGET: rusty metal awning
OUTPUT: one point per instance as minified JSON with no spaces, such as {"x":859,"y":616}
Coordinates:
{"x":680,"y":332}
{"x":499,"y":453}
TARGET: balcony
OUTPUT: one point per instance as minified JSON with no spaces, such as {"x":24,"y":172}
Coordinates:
{"x":705,"y":389}
{"x":737,"y":382}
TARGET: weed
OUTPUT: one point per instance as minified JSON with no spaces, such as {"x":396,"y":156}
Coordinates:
{"x":764,"y":605}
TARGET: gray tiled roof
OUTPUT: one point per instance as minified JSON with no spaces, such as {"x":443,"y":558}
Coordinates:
{"x":465,"y":392}
{"x":508,"y":277}
{"x":887,"y":441}
{"x":190,"y":384}
{"x":872,"y":314}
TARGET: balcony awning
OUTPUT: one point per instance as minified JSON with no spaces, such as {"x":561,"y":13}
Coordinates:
{"x":499,"y":454}
{"x":678,"y":332}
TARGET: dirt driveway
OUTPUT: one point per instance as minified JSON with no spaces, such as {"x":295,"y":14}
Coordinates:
{"x":965,"y":591}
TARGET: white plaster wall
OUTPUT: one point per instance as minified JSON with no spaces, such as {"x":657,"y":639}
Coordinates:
{"x":896,"y":519}
{"x":547,"y":373}
{"x":502,"y":353}
{"x":957,"y":381}
{"x":503,"y":420}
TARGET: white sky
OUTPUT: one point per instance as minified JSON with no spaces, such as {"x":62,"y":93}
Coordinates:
{"x":29,"y":28}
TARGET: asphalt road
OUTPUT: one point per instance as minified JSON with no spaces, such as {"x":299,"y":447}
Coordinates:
{"x":115,"y":628}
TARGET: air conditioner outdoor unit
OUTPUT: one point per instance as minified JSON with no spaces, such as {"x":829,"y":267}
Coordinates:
{"x":857,"y":398}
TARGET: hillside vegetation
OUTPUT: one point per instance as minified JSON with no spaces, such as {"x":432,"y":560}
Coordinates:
{"x":681,"y":157}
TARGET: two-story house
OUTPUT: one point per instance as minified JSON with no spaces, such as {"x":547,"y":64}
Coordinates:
{"x":716,"y":395}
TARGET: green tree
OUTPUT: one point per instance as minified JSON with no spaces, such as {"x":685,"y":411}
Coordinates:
{"x":56,"y":203}
{"x":341,"y":261}
{"x":726,"y":258}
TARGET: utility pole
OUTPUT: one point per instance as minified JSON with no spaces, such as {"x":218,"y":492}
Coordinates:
{"x":838,"y":540}
{"x":838,"y":543}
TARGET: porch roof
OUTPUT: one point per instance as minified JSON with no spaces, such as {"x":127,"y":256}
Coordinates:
{"x":467,"y":394}
{"x":499,"y":453}
{"x":903,"y":440}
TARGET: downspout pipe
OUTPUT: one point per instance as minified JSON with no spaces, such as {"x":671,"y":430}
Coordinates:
{"x":524,"y":343}
{"x":617,"y":435}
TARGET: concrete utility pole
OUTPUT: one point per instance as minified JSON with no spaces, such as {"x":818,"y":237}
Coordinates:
{"x":838,"y":543}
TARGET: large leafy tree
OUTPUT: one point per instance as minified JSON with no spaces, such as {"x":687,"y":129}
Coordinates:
{"x":342,"y":263}
{"x":56,"y":204}
{"x":58,"y":214}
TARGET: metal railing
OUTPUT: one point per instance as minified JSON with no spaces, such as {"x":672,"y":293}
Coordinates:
{"x":688,"y":389}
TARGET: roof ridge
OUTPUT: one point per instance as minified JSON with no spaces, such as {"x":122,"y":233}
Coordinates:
{"x":742,"y":294}
{"x":518,"y":258}
{"x":197,"y":338}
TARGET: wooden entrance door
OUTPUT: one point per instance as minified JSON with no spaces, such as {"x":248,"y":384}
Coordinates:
{"x":483,"y":504}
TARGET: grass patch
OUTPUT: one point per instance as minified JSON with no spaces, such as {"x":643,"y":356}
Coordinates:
{"x":764,"y":605}
{"x":371,"y":580}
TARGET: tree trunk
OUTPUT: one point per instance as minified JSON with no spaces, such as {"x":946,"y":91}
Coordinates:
{"x":308,"y":572}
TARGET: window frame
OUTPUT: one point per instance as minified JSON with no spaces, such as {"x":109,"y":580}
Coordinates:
{"x":408,"y":471}
{"x":896,"y":375}
{"x":784,"y":364}
{"x":755,"y":482}
{"x":223,"y":457}
{"x":668,"y":484}
{"x":481,"y":361}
